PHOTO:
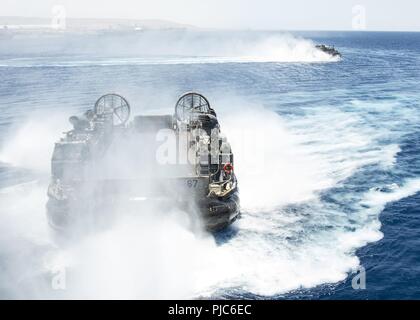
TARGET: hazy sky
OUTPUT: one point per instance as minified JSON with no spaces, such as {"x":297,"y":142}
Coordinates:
{"x":245,"y":14}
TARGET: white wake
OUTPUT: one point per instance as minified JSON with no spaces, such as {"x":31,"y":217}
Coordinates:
{"x":288,"y":238}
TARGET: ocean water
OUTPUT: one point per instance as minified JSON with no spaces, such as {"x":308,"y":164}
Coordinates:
{"x":326,"y":151}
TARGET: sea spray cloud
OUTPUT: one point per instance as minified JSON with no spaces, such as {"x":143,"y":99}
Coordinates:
{"x":164,"y":47}
{"x":29,"y":143}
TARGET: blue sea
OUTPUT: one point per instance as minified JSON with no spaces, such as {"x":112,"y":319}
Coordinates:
{"x":327,"y":154}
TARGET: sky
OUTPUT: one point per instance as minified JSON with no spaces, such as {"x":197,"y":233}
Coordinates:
{"x":370,"y":15}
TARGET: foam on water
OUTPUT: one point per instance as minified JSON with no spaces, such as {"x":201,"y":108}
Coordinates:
{"x":288,"y":237}
{"x":31,"y":141}
{"x":279,"y":48}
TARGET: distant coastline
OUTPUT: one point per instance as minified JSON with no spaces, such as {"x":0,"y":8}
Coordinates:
{"x":43,"y":25}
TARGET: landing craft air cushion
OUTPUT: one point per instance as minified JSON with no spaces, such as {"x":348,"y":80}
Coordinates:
{"x":107,"y":162}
